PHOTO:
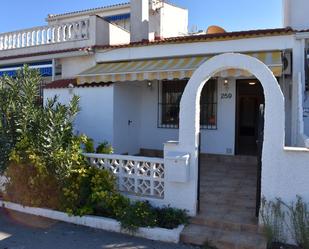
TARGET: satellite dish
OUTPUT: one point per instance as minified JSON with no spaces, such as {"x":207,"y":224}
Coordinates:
{"x":215,"y":30}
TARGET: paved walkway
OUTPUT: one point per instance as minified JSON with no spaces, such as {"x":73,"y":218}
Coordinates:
{"x":19,"y":231}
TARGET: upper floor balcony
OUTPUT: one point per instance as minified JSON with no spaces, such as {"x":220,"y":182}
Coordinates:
{"x":76,"y":34}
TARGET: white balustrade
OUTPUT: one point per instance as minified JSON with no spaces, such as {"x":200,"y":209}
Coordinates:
{"x":141,"y":176}
{"x":37,"y":36}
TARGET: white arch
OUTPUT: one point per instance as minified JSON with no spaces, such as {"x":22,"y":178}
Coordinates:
{"x":185,"y":195}
{"x":189,"y":125}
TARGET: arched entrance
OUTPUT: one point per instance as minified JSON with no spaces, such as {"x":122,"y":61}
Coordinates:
{"x":189,"y":117}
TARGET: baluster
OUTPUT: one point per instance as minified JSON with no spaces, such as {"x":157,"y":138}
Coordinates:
{"x":76,"y":31}
{"x":1,"y":43}
{"x":60,"y":32}
{"x":22,"y":40}
{"x":9,"y":41}
{"x":32,"y":34}
{"x":43,"y":39}
{"x":38,"y":35}
{"x":18,"y":40}
{"x":64,"y":32}
{"x":14,"y":41}
{"x":5,"y":42}
{"x":81,"y":29}
{"x":54,"y":34}
{"x":49,"y":35}
{"x":69,"y":32}
{"x":28,"y":40}
{"x":86,"y":29}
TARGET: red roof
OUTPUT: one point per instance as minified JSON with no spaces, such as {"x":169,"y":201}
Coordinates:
{"x":41,"y":53}
{"x":65,"y":83}
{"x":208,"y":37}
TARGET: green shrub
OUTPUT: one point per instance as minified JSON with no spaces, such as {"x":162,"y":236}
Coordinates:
{"x":171,"y":218}
{"x":19,"y":99}
{"x":299,"y":217}
{"x":89,"y":146}
{"x":85,"y":188}
{"x":113,"y":207}
{"x":42,"y":158}
{"x":138,"y":214}
{"x":30,"y":187}
{"x":104,"y":148}
{"x":273,"y":218}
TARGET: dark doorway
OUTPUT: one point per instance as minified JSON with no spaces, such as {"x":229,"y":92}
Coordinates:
{"x":249,"y":98}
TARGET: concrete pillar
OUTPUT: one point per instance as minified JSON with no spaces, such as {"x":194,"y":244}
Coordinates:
{"x":139,"y":20}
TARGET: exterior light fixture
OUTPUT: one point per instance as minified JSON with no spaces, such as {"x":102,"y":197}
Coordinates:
{"x":226,"y":84}
{"x":149,"y":84}
{"x":252,"y":83}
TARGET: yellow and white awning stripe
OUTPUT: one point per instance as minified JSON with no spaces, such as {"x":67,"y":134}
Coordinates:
{"x":167,"y":68}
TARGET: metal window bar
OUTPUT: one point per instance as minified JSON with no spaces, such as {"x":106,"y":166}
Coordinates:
{"x":169,"y":116}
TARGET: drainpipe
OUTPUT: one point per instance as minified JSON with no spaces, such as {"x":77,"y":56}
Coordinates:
{"x":302,"y":138}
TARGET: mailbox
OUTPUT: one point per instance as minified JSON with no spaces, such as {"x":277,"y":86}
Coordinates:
{"x":177,"y":166}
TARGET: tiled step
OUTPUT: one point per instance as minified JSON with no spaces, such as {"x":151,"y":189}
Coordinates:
{"x":207,"y":206}
{"x":228,"y":199}
{"x":228,"y":184}
{"x":199,"y":234}
{"x":239,"y":205}
{"x":228,"y":159}
{"x":227,"y":204}
{"x":225,"y":225}
{"x":230,"y":220}
{"x":231,"y":197}
{"x":217,"y":188}
{"x":217,"y":176}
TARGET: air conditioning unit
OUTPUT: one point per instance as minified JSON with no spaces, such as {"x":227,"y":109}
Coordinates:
{"x":156,"y":4}
{"x":287,"y":63}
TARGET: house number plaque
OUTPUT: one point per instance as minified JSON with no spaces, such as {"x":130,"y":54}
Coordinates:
{"x":226,"y":95}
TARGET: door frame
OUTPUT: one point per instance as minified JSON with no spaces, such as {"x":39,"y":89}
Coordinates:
{"x":237,"y":105}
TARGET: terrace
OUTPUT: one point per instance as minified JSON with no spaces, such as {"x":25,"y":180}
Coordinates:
{"x":81,"y":34}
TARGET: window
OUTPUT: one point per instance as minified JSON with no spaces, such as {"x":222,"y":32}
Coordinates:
{"x":170,"y":93}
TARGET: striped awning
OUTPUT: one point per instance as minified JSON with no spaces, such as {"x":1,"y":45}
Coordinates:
{"x":167,"y":68}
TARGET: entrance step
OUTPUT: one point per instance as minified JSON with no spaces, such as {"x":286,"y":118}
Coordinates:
{"x":224,"y":225}
{"x":199,"y":234}
{"x":229,"y":159}
{"x":227,"y":204}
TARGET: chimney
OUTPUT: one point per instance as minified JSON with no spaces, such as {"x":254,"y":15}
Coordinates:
{"x":295,"y":14}
{"x":139,"y":20}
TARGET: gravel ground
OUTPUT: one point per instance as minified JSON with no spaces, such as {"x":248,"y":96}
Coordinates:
{"x":20,"y":231}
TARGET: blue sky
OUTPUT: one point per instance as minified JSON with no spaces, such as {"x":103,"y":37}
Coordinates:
{"x":232,"y":15}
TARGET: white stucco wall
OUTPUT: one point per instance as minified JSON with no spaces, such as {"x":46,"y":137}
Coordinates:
{"x":174,"y":21}
{"x":96,"y":116}
{"x":295,"y":14}
{"x":212,"y":141}
{"x":71,"y":66}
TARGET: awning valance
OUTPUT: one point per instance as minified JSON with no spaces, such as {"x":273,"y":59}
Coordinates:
{"x":167,"y":68}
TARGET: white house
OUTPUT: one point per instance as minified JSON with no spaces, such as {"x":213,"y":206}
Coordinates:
{"x":180,"y":141}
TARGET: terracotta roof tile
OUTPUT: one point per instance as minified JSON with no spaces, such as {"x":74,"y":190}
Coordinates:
{"x":65,"y":83}
{"x":40,"y":53}
{"x":208,"y":37}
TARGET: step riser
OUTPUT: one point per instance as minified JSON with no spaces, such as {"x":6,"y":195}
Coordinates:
{"x":220,"y":244}
{"x":225,"y":226}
